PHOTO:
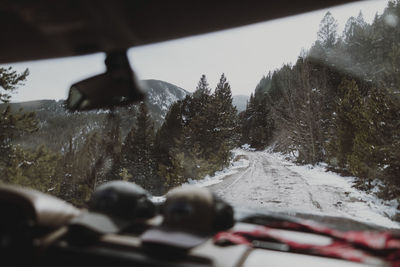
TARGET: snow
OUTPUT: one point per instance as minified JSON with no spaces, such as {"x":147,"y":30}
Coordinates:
{"x":158,"y":199}
{"x":273,"y":183}
{"x":363,"y":206}
{"x":102,"y":111}
{"x":164,"y":100}
{"x":234,"y":168}
{"x":25,"y":162}
{"x":235,"y":165}
{"x":270,"y":181}
{"x":247,"y":147}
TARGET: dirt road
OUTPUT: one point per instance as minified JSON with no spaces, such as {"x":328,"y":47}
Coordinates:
{"x":277,"y":185}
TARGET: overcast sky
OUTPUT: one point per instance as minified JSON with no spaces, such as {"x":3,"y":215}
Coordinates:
{"x":244,"y":54}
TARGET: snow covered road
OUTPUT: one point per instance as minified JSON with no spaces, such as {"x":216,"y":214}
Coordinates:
{"x":270,"y":182}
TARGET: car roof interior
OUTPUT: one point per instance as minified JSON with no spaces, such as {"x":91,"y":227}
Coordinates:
{"x":48,"y":29}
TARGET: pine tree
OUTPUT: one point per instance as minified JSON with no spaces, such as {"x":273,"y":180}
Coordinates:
{"x":364,"y":159}
{"x":223,"y":118}
{"x":199,"y":133}
{"x":347,"y":116}
{"x":198,"y":126}
{"x":12,"y":124}
{"x":353,"y":28}
{"x":327,"y":33}
{"x":376,"y":142}
{"x":173,"y":173}
{"x":169,"y":132}
{"x":245,"y":120}
{"x":339,"y":103}
{"x":10,"y":80}
{"x":35,"y":169}
{"x":138,"y":151}
{"x":256,"y":122}
{"x":88,"y":159}
{"x":202,"y":88}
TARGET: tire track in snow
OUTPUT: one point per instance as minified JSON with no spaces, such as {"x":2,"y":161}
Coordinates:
{"x":276,"y":185}
{"x":237,"y":179}
{"x":264,"y":184}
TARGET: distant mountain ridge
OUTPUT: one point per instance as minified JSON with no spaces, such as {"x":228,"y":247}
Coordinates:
{"x":161,"y":95}
{"x":57,"y":125}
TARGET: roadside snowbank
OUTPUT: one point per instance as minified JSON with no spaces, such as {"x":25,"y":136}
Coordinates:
{"x":357,"y":204}
{"x":238,"y":162}
{"x":271,"y":181}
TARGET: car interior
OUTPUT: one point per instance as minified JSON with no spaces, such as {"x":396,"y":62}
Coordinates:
{"x":40,"y":230}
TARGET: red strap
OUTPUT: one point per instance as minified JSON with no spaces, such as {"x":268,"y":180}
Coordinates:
{"x":368,"y":239}
{"x":345,"y":245}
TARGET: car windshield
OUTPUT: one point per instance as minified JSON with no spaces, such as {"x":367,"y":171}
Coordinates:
{"x":298,"y":115}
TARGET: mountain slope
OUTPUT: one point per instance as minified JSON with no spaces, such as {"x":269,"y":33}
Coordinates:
{"x":58,"y":126}
{"x":160,"y":96}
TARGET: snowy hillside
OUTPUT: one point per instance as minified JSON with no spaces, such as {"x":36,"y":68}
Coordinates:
{"x":161,"y":95}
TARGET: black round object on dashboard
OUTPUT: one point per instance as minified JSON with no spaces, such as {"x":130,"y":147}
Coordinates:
{"x":122,"y":199}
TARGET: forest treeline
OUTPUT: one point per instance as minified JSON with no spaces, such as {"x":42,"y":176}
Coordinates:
{"x":339,"y":103}
{"x":195,"y":140}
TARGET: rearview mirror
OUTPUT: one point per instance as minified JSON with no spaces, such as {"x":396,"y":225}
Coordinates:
{"x":116,"y":87}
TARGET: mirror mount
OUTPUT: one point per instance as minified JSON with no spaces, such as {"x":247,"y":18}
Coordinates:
{"x":118,"y":86}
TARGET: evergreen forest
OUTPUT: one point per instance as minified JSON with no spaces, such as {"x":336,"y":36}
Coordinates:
{"x":339,"y":103}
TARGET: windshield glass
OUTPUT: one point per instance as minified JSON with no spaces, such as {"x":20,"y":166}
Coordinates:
{"x":298,"y":115}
